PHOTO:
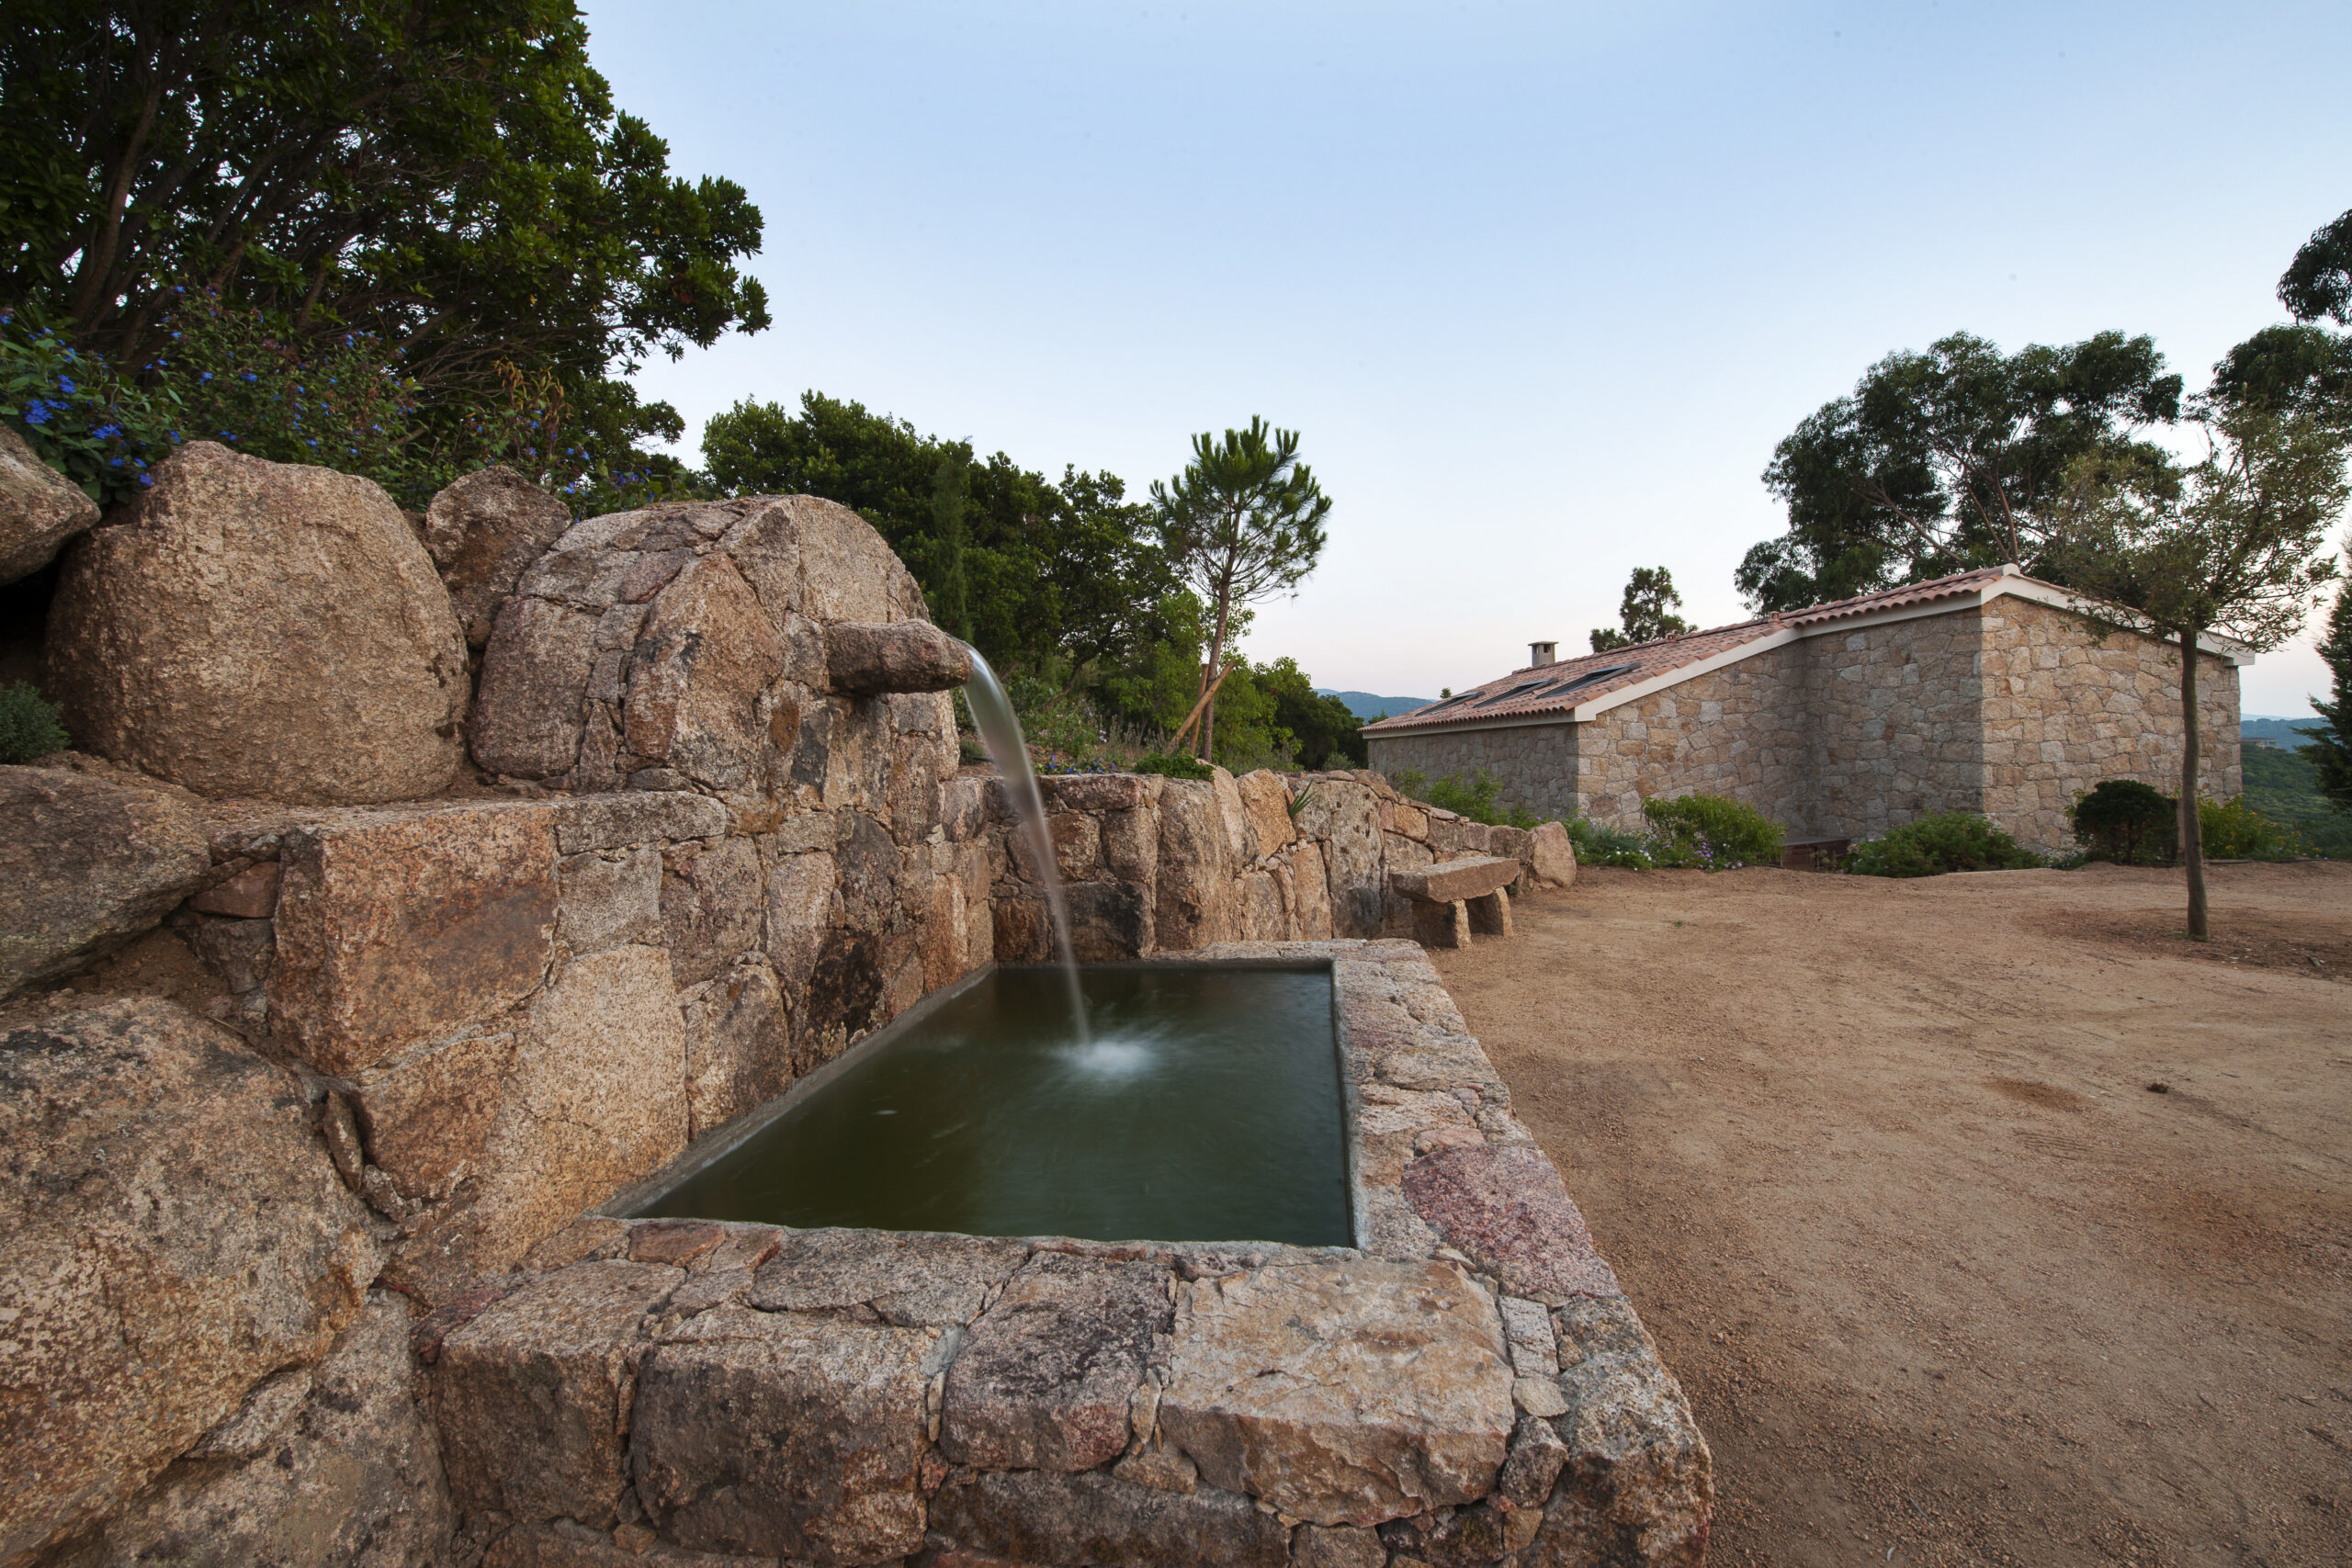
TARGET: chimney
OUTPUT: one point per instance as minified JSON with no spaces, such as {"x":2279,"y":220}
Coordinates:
{"x":1542,"y":653}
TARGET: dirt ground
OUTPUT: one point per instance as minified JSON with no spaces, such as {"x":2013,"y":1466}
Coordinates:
{"x":1887,"y":1170}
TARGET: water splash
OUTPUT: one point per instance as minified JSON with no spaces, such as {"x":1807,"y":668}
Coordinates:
{"x":1000,"y":732}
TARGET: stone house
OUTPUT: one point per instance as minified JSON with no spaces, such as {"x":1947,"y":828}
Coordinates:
{"x":1977,"y":692}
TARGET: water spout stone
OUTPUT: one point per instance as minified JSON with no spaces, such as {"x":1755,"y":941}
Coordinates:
{"x":899,"y":656}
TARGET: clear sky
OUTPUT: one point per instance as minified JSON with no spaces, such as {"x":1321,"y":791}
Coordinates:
{"x":1540,"y":285}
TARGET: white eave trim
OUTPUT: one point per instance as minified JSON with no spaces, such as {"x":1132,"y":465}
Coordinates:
{"x":2011,"y":581}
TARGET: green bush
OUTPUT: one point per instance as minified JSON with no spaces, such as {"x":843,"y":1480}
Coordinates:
{"x":1474,"y":800}
{"x":1597,"y":845}
{"x":1949,"y":840}
{"x":76,"y":414}
{"x":1174,"y":767}
{"x":1711,"y":832}
{"x":29,"y":725}
{"x":2126,"y":821}
{"x":2234,"y":830}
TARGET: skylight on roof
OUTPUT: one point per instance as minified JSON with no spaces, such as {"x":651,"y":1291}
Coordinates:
{"x":1588,"y":678}
{"x":1518,"y":690}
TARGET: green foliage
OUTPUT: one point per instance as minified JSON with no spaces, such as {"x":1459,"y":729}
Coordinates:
{"x":2234,"y":830}
{"x":2318,"y":282}
{"x":1474,"y":800}
{"x":451,"y":182}
{"x":1411,"y":783}
{"x":1597,"y":845}
{"x":2329,"y":749}
{"x":1244,"y":520}
{"x":1053,"y":720}
{"x":2127,"y":822}
{"x":1178,"y":766}
{"x":1321,"y":729}
{"x":2289,"y":371}
{"x":2283,"y":785}
{"x":1025,"y":570}
{"x":30,"y":724}
{"x":1712,"y":831}
{"x":1645,"y":614}
{"x":1930,"y":846}
{"x":1946,"y":460}
{"x":76,"y":413}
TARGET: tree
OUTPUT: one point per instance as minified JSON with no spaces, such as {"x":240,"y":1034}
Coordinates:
{"x":1242,"y":522}
{"x":1943,"y":461}
{"x":1646,"y":612}
{"x":1319,"y":727}
{"x":451,"y":179}
{"x":2234,"y":544}
{"x":2318,"y":282}
{"x":2330,"y":746}
{"x":1028,"y":570}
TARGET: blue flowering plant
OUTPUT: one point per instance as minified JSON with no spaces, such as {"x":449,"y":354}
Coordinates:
{"x":334,"y":400}
{"x":78,"y":416}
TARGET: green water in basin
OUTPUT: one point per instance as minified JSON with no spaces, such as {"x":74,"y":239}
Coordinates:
{"x":1206,"y":1108}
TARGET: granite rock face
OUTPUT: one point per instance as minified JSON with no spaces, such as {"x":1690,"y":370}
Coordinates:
{"x":367,"y":908}
{"x":1045,"y":1376}
{"x":89,"y":864}
{"x":333,"y":1464}
{"x":1508,"y":1210}
{"x":1550,"y":856}
{"x":256,"y":628}
{"x":40,"y":509}
{"x":482,"y":531}
{"x":903,"y":656}
{"x":1345,"y":1395}
{"x":1075,"y":1521}
{"x":531,"y":1397}
{"x":773,"y":1435}
{"x":174,"y":1233}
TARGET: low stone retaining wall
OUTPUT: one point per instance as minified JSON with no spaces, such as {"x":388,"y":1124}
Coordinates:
{"x":1467,"y":1385}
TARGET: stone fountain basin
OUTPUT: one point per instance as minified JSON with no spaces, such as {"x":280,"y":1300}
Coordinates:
{"x":1464,"y":1382}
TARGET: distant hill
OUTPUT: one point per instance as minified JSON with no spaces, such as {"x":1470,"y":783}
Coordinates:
{"x":1367,"y":707}
{"x":2260,"y":727}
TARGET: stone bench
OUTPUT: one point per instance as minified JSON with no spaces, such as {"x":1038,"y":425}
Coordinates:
{"x":1455,"y":897}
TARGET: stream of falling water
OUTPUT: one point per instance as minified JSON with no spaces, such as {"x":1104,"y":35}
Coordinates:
{"x":1000,"y":732}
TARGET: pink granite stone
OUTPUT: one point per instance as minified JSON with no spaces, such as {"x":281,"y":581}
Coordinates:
{"x":1508,"y":1211}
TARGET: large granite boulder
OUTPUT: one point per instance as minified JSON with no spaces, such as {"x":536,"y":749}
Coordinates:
{"x":39,"y":509}
{"x":481,"y":532}
{"x":256,"y":628}
{"x":89,"y":864}
{"x":321,"y":1466}
{"x":1345,"y":815}
{"x":174,"y":1234}
{"x":691,"y":641}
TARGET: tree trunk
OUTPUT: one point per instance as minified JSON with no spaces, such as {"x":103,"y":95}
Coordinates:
{"x":2192,"y":832}
{"x":1216,"y":656}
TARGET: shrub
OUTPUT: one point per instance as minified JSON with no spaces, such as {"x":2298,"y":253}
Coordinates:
{"x":2126,"y":821}
{"x":1174,"y":767}
{"x":1597,"y":845}
{"x":30,"y":726}
{"x":1474,"y":800}
{"x":1411,"y":782}
{"x":76,"y":413}
{"x":1711,"y":832}
{"x":1949,"y":840}
{"x":2234,"y":830}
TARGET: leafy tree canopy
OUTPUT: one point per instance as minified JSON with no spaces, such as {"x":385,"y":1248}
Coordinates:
{"x":452,"y":180}
{"x":1943,"y":461}
{"x":2319,"y":281}
{"x":1645,"y":614}
{"x":2330,"y":747}
{"x":1030,"y":570}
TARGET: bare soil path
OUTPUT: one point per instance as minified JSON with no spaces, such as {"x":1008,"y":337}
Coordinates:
{"x":1948,"y":1280}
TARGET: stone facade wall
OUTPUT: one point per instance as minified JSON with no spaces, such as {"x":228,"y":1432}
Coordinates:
{"x":2010,"y":709}
{"x":1539,"y":764}
{"x":2064,"y":711}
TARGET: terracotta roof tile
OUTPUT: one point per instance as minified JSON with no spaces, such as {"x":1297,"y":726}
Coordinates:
{"x":1561,"y":686}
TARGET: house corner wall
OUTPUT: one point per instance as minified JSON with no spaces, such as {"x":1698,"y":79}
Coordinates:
{"x":2065,"y":710}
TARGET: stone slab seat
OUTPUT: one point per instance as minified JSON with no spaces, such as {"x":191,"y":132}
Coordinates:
{"x":1472,"y":876}
{"x":1455,"y":897}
